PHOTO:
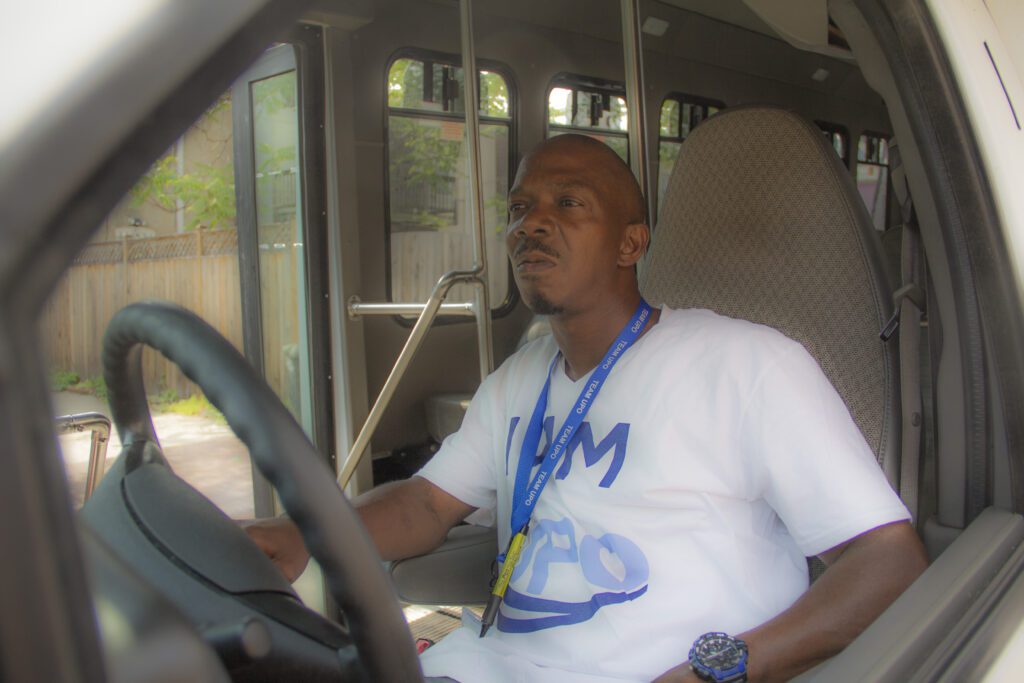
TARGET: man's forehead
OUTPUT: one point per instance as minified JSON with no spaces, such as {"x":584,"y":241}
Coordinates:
{"x":561,"y":171}
{"x":557,"y":182}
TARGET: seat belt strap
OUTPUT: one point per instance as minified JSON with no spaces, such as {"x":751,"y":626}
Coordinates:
{"x":910,"y":376}
{"x":909,"y":304}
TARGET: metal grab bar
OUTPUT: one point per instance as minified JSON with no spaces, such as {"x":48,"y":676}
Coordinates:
{"x":472,"y":100}
{"x":632,"y":46}
{"x":412,"y":345}
{"x":99,"y":425}
{"x":356,"y":308}
{"x":477,"y":275}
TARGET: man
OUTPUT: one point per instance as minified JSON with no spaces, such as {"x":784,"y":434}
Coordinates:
{"x":712,"y":460}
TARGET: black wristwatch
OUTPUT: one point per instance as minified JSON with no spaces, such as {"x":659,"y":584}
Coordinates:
{"x":719,"y":657}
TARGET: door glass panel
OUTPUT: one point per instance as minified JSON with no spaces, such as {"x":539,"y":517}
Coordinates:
{"x":286,"y":361}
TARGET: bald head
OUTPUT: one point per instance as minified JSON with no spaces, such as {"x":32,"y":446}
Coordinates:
{"x":622,"y":192}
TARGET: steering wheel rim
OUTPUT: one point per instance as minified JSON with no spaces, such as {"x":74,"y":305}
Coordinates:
{"x":280,"y":449}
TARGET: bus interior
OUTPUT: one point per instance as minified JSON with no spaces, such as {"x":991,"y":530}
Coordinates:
{"x":308,"y":178}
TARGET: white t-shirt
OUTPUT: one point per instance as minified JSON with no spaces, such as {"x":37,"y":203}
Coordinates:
{"x":716,"y":457}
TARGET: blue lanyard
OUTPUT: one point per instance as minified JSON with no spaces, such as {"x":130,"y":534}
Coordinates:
{"x":524,"y":496}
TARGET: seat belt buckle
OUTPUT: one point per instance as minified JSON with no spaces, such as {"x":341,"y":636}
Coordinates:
{"x":891,"y":326}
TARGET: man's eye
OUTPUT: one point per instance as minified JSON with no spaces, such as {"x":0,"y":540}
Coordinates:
{"x":516,"y":207}
{"x":568,"y":201}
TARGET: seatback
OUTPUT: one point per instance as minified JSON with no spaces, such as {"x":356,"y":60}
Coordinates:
{"x":761,"y":221}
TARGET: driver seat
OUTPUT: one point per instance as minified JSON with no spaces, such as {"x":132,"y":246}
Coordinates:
{"x":760,"y":221}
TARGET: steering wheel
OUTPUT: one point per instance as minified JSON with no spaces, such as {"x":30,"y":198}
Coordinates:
{"x":279,"y":448}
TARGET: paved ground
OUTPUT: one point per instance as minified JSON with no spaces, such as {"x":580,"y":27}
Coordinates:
{"x":206,"y":454}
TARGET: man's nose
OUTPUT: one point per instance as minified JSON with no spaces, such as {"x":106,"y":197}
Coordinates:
{"x":536,"y":220}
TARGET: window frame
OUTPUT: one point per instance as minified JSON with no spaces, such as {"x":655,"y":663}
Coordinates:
{"x":565,"y":79}
{"x":503,"y":70}
{"x":829,"y":127}
{"x":887,"y":137}
{"x":304,"y":45}
{"x":686,"y":98}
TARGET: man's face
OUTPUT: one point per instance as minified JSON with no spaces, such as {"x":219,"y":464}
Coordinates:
{"x":564,"y":231}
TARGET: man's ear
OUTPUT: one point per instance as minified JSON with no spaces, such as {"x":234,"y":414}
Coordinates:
{"x":635,"y":239}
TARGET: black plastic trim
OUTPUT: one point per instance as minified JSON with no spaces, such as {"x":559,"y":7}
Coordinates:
{"x":954,"y":171}
{"x":308,"y":41}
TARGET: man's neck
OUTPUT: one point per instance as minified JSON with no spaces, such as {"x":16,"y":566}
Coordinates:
{"x":584,"y":337}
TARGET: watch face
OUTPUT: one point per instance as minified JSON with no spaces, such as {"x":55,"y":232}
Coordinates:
{"x":719,"y":657}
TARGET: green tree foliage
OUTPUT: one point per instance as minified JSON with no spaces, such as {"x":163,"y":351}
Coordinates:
{"x":669,"y":124}
{"x":207,"y":192}
{"x":60,"y":380}
{"x":494,"y":99}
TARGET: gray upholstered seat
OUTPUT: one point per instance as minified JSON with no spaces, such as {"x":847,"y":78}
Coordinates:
{"x":446,"y":411}
{"x":761,"y":221}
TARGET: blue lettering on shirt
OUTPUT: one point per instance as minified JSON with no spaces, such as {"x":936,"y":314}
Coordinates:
{"x":614,"y":442}
{"x":553,"y":542}
{"x":612,"y":565}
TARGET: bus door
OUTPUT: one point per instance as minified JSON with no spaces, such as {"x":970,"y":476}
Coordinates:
{"x":279,"y":188}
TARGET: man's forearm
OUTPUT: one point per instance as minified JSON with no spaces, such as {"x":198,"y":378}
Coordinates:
{"x":408,"y":518}
{"x":863,"y":578}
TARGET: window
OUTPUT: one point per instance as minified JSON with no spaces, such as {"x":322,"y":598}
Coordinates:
{"x":589,"y":106}
{"x":680,"y":114}
{"x":873,"y":175}
{"x":839,"y":138}
{"x":224,"y":225}
{"x":429,"y":200}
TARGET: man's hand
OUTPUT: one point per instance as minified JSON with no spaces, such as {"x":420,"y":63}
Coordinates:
{"x":404,"y":518}
{"x":281,"y":541}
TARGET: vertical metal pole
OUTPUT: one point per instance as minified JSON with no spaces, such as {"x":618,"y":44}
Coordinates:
{"x":633,"y":54}
{"x":472,"y":103}
{"x":97,"y":459}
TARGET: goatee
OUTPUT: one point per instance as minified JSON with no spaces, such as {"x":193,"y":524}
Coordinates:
{"x":540,"y":305}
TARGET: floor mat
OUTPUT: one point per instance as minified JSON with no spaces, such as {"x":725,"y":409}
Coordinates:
{"x":434,"y":623}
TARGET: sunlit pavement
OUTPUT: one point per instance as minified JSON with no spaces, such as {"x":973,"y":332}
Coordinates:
{"x":201,"y":451}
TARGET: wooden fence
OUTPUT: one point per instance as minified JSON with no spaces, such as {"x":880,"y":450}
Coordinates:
{"x":198,"y":270}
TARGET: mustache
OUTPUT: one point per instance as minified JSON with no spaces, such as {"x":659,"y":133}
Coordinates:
{"x":533,"y":244}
